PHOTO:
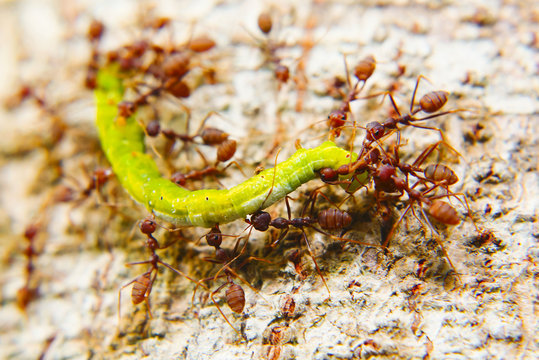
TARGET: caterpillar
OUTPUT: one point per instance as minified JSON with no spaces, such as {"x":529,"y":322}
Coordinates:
{"x":122,"y":140}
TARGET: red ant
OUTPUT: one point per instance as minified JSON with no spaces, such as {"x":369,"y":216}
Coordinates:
{"x":362,"y":71}
{"x":234,"y":295}
{"x":270,"y":48}
{"x":142,"y":284}
{"x":226,"y":148}
{"x":30,"y":290}
{"x":387,"y":184}
{"x":328,"y":220}
{"x":429,"y":103}
{"x":95,"y":32}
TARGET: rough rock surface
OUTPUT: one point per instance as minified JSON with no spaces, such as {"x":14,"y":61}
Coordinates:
{"x":405,"y":303}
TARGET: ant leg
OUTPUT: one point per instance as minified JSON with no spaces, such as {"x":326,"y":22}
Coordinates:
{"x":219,"y":308}
{"x":390,"y":234}
{"x":120,"y":297}
{"x":314,"y":261}
{"x":236,"y":275}
{"x":141,"y":290}
{"x":243,"y":248}
{"x":444,"y":141}
{"x":341,"y":238}
{"x":464,"y":203}
{"x":179,"y":272}
{"x":281,"y":237}
{"x":312,"y":200}
{"x":439,"y":242}
{"x":273,"y":180}
{"x":147,"y":294}
{"x":419,"y":77}
{"x":393,"y":103}
{"x":425,"y":154}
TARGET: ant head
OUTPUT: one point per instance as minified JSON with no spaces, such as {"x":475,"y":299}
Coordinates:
{"x":95,"y":30}
{"x":336,"y":118}
{"x":214,"y":237}
{"x":375,"y":130}
{"x":148,"y":226}
{"x":178,"y":178}
{"x":328,"y":175}
{"x":153,"y":128}
{"x":282,"y":73}
{"x":261,"y":220}
{"x":126,"y":109}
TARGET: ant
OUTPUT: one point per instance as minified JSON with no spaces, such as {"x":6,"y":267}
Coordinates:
{"x":142,"y":284}
{"x":429,"y":103}
{"x":390,"y":186}
{"x":226,"y":148}
{"x":328,"y":220}
{"x":234,"y":295}
{"x":97,"y":180}
{"x":362,"y":71}
{"x":30,"y":290}
{"x":94,"y":35}
{"x":269,"y":48}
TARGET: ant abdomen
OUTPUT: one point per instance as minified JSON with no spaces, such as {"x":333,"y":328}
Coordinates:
{"x":213,"y":136}
{"x":444,"y":213}
{"x":365,"y":68}
{"x":334,"y":219}
{"x":226,"y":150}
{"x":433,"y":101}
{"x":235,"y":298}
{"x":140,"y":287}
{"x":439,"y":172}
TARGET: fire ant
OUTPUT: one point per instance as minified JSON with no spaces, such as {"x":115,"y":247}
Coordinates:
{"x":94,"y":35}
{"x":210,"y":136}
{"x":390,"y":186}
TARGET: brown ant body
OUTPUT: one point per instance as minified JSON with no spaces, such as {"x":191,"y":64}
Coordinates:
{"x":388,"y":185}
{"x":234,"y":295}
{"x":362,"y":71}
{"x":269,"y":48}
{"x":142,"y":284}
{"x":210,"y":136}
{"x":429,"y":103}
{"x":328,"y":220}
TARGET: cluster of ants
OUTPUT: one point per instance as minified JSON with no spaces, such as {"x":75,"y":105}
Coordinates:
{"x":156,"y":71}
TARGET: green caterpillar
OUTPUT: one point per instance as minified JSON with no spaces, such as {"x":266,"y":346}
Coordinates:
{"x":122,"y":140}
